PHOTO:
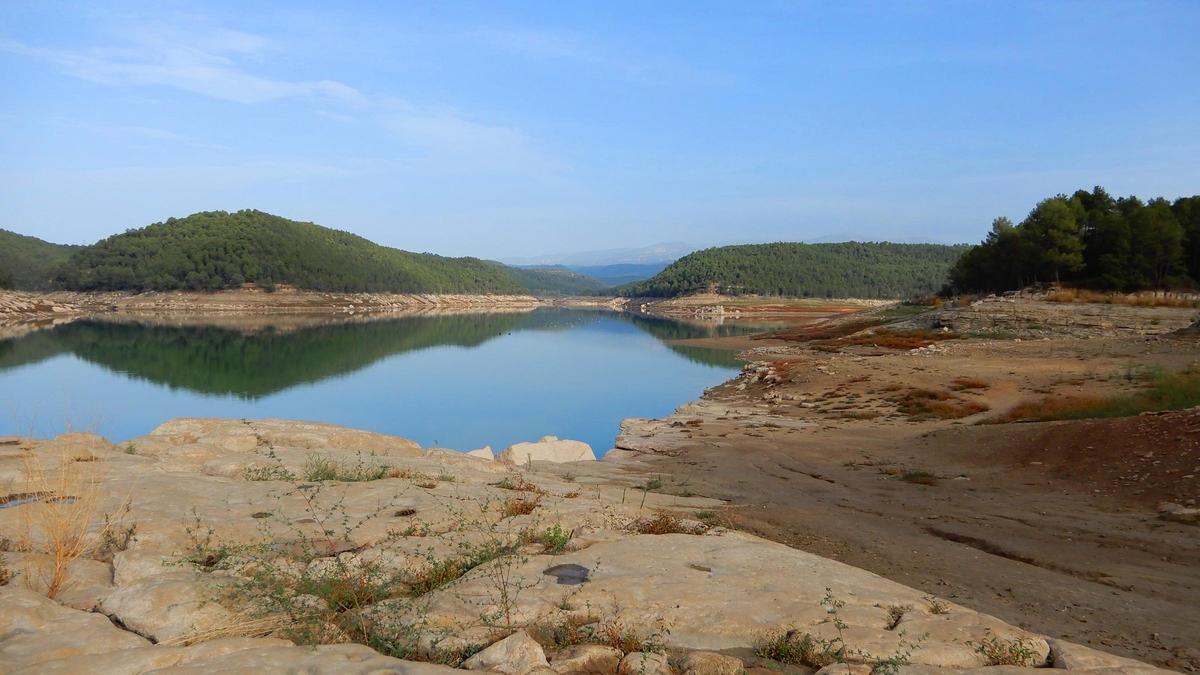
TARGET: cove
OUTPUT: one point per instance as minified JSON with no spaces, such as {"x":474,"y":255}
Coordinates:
{"x":460,"y":381}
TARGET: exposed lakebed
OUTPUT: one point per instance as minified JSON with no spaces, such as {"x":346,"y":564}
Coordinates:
{"x":459,"y":381}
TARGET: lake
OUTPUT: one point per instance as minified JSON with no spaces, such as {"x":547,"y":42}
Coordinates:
{"x":458,"y":381}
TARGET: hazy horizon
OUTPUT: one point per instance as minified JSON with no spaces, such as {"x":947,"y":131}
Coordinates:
{"x":531,"y":129}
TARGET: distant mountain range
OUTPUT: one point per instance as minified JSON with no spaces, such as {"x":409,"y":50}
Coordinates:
{"x":620,"y":274}
{"x":654,"y":253}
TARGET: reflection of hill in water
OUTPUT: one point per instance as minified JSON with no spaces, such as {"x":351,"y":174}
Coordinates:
{"x":668,"y":329}
{"x":222,"y":361}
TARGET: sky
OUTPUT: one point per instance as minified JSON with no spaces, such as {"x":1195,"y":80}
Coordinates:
{"x":509,"y":129}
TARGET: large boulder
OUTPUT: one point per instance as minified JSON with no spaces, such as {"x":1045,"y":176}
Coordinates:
{"x":549,"y":449}
{"x":35,"y":629}
{"x":483,"y":453}
{"x":1071,"y":656}
{"x":516,"y":654}
{"x":169,"y":606}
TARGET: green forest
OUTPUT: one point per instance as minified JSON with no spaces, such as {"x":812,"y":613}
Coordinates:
{"x":862,"y":270}
{"x":1089,"y":240}
{"x":215,"y":249}
{"x":556,"y":280}
{"x":29,"y":262}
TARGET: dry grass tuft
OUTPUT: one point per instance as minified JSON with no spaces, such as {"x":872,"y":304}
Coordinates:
{"x":520,"y":506}
{"x":885,"y":338}
{"x":965,"y":383}
{"x":63,"y":522}
{"x":1054,"y":408}
{"x":234,"y":627}
{"x":613,"y":633}
{"x":925,"y":404}
{"x":1175,"y":391}
{"x":663,"y":523}
{"x":1148,"y":299}
{"x":517,"y":483}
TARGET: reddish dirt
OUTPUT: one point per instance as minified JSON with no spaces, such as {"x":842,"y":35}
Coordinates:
{"x":1070,"y":547}
{"x":1136,"y":461}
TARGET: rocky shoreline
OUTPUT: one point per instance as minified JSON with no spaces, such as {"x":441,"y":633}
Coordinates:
{"x":214,"y":544}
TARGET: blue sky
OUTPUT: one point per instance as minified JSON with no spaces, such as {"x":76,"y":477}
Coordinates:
{"x":509,"y":129}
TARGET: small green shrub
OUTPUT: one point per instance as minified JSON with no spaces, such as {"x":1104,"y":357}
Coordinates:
{"x":798,"y":648}
{"x":1006,"y":652}
{"x":555,"y":539}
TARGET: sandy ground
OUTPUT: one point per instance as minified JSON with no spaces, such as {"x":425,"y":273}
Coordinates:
{"x":1050,"y":526}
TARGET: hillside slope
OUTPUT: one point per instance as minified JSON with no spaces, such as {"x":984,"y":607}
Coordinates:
{"x":216,"y":249}
{"x":621,"y":273}
{"x":556,"y":280}
{"x":28,"y":262}
{"x":853,"y":269}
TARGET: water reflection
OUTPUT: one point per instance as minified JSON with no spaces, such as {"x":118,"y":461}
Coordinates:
{"x":250,"y":364}
{"x":458,"y":380}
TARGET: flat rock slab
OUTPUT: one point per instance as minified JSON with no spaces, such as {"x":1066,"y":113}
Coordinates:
{"x":188,"y":487}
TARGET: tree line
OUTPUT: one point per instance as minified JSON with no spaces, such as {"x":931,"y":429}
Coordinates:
{"x":852,"y":269}
{"x":29,"y":262}
{"x":1089,"y":240}
{"x":215,"y":250}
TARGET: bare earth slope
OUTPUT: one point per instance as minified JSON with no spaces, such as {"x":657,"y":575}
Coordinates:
{"x":1051,"y":526}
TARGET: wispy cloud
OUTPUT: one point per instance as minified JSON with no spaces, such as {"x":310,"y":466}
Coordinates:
{"x":203,"y":64}
{"x":226,"y":65}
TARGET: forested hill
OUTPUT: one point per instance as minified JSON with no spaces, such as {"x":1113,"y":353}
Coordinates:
{"x":856,"y":270}
{"x":215,"y":249}
{"x":557,"y":280}
{"x":29,"y":262}
{"x":1092,"y":240}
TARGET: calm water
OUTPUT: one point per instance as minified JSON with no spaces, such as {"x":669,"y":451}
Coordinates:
{"x":454,"y":381}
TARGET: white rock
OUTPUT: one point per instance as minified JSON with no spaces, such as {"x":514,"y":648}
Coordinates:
{"x":485,"y":452}
{"x":35,"y":629}
{"x":710,"y":663}
{"x":516,"y":654}
{"x":168,"y":606}
{"x":549,"y":449}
